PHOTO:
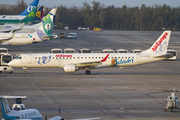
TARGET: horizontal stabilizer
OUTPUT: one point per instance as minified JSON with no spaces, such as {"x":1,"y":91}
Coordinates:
{"x":13,"y":97}
{"x":167,"y":55}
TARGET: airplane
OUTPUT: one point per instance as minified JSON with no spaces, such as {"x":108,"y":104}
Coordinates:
{"x":32,"y":18}
{"x":71,"y":62}
{"x":26,"y":28}
{"x":172,"y":102}
{"x":21,"y":15}
{"x":43,"y":33}
{"x":19,"y":111}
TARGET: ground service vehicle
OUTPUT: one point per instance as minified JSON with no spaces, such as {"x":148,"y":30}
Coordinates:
{"x":4,"y":60}
{"x":69,"y":50}
{"x":85,"y":50}
{"x":174,"y":52}
{"x":63,"y":35}
{"x":3,"y":50}
{"x":97,"y":29}
{"x":72,"y":36}
{"x":107,"y":51}
{"x":56,"y":50}
{"x":136,"y":51}
{"x":121,"y":51}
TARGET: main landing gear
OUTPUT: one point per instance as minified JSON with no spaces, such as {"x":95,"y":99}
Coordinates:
{"x":88,"y":72}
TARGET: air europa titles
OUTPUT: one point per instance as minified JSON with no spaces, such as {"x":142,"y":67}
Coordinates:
{"x":63,"y":55}
{"x":159,"y":42}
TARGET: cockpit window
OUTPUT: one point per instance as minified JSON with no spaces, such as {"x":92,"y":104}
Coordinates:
{"x":16,"y":108}
{"x":23,"y":108}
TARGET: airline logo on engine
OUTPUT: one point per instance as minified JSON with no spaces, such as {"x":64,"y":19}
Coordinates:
{"x":63,"y":55}
{"x":158,"y":43}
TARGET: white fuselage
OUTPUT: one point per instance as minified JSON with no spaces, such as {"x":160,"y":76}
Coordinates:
{"x":12,"y":17}
{"x":26,"y":114}
{"x":82,"y":59}
{"x":25,"y":29}
{"x":20,"y":38}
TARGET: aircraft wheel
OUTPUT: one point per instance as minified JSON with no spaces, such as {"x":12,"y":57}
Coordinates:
{"x":11,"y":72}
{"x":25,"y":72}
{"x":88,"y":72}
{"x":165,"y":110}
{"x":0,"y":72}
{"x":171,"y":110}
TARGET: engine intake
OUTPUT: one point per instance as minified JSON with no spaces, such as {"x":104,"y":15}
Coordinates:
{"x":70,"y":68}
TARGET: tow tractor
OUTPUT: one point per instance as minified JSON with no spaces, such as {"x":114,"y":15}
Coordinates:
{"x":4,"y":60}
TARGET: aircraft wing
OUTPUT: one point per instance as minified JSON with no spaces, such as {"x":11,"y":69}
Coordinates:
{"x":91,"y":64}
{"x":56,"y":118}
{"x":87,"y":119}
{"x":6,"y":39}
{"x":12,"y":28}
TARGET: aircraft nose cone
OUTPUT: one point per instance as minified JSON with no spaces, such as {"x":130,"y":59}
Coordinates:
{"x":10,"y":63}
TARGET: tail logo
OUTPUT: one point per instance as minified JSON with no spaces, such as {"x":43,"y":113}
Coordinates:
{"x":30,"y":8}
{"x":32,"y":14}
{"x":158,"y":43}
{"x":162,"y":47}
{"x":38,"y":14}
{"x":48,"y":26}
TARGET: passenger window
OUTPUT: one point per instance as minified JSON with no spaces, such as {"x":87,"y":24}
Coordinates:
{"x":78,"y":57}
{"x":74,"y":57}
{"x":92,"y":57}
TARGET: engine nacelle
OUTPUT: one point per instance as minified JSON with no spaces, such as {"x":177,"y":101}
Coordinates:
{"x":70,"y":68}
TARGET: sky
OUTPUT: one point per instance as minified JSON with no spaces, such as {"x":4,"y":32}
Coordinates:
{"x":79,"y":3}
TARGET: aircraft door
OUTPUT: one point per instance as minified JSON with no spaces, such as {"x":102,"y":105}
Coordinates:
{"x":138,"y":57}
{"x":29,"y":58}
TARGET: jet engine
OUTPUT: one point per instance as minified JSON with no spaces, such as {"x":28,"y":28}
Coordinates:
{"x":70,"y":68}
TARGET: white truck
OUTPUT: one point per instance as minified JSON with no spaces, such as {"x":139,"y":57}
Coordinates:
{"x":4,"y":60}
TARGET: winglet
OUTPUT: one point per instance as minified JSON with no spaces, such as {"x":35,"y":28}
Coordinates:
{"x":21,"y":27}
{"x":103,"y":60}
{"x":12,"y":35}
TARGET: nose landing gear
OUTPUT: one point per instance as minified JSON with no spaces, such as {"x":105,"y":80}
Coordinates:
{"x":88,"y":72}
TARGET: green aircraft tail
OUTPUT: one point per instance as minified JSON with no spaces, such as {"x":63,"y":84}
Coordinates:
{"x":31,"y":15}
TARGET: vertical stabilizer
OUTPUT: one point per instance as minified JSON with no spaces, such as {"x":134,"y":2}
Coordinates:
{"x":161,"y":44}
{"x":31,"y":15}
{"x":30,"y":7}
{"x":5,"y":107}
{"x":39,"y":13}
{"x":47,"y":25}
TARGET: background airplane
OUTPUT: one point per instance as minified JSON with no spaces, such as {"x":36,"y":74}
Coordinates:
{"x":71,"y":62}
{"x":19,"y":111}
{"x":21,"y":16}
{"x":32,"y":18}
{"x":26,"y":28}
{"x":43,"y":33}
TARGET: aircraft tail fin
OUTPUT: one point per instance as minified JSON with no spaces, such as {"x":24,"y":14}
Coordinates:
{"x":30,"y":7}
{"x":39,"y":13}
{"x":5,"y":107}
{"x":161,"y":44}
{"x":44,"y":31}
{"x":31,"y":15}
